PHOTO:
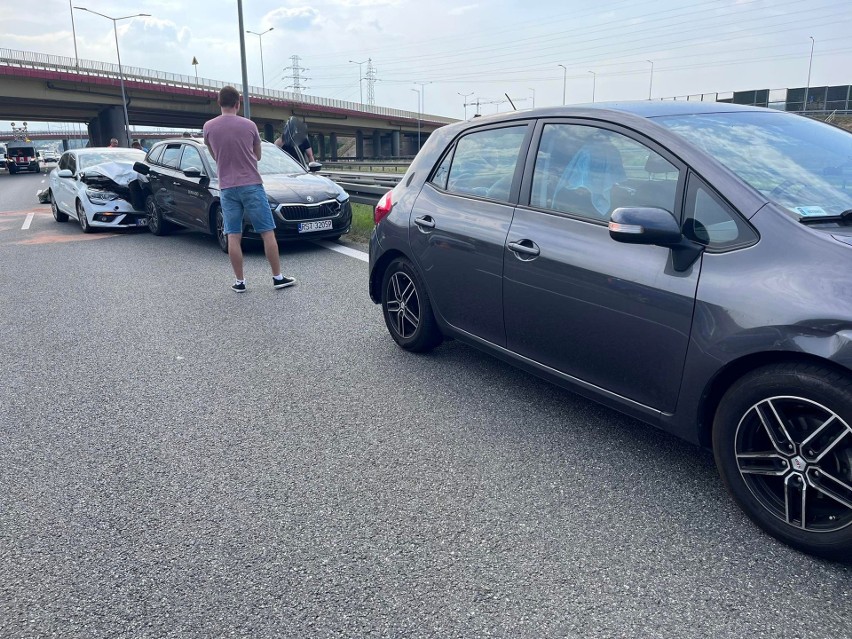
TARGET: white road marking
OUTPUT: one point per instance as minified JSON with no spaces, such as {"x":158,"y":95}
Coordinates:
{"x":42,"y":181}
{"x":358,"y":255}
{"x":27,"y":222}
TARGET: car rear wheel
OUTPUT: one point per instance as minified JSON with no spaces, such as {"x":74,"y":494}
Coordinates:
{"x":782,"y":439}
{"x":407,"y":308}
{"x":221,"y":238}
{"x":81,"y":217}
{"x":156,"y":224}
{"x":58,"y":215}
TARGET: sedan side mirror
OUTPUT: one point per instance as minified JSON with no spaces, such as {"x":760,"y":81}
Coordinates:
{"x":65,"y":173}
{"x":658,"y":227}
{"x":141,"y":168}
{"x":192,"y":172}
{"x":313,"y":167}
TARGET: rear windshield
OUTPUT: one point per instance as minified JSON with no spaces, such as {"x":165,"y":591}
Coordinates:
{"x":799,"y":163}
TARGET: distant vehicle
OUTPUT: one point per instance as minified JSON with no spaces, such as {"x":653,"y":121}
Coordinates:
{"x":183,"y":190}
{"x":49,"y":155}
{"x":2,"y":156}
{"x":21,"y":156}
{"x":98,"y":188}
{"x":687,"y":263}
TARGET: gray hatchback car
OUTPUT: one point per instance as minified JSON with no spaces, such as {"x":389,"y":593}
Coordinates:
{"x":689,"y":264}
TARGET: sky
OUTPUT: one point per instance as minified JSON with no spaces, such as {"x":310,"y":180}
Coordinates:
{"x":437,"y":55}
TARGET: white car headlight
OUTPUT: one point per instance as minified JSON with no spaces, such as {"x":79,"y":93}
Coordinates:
{"x":100,"y":196}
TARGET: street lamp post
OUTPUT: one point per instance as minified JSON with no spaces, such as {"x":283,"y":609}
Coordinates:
{"x":465,"y":96}
{"x":260,"y":39}
{"x":651,"y":82}
{"x":594,"y":80}
{"x":564,"y":80}
{"x":118,"y":53}
{"x":808,"y":87}
{"x":74,"y":35}
{"x":360,"y":80}
{"x":418,"y":117}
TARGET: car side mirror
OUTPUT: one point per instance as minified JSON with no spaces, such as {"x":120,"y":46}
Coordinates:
{"x":313,"y":167}
{"x":653,"y":226}
{"x":65,"y":173}
{"x":192,"y":172}
{"x":141,"y":168}
{"x":204,"y":181}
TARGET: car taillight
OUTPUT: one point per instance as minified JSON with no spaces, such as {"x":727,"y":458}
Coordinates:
{"x":383,"y":207}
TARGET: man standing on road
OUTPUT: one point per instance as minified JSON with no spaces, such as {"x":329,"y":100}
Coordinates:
{"x":235,"y":144}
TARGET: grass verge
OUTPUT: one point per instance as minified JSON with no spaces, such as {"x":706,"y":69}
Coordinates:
{"x":362,"y":223}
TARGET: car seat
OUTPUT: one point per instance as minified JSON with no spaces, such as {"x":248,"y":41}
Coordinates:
{"x":586,"y":183}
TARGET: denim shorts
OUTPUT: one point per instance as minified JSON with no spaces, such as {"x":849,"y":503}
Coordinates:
{"x":249,"y":200}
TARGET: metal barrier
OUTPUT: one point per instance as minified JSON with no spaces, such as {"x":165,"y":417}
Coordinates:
{"x":32,"y":60}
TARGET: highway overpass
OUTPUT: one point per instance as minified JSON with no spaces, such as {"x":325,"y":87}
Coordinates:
{"x":40,"y":87}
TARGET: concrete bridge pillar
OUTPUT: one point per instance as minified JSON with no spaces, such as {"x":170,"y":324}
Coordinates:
{"x":395,"y":144}
{"x":321,"y":146}
{"x":65,"y":145}
{"x":269,"y":132}
{"x":109,"y":123}
{"x":377,"y":144}
{"x":359,"y":145}
{"x":332,"y":142}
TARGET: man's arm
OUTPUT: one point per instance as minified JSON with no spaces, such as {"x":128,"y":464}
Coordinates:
{"x":257,"y":149}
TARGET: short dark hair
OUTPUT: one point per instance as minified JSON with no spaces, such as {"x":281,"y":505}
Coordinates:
{"x":229,"y":97}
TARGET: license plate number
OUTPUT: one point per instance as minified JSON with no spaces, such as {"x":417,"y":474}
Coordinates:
{"x":319,"y":225}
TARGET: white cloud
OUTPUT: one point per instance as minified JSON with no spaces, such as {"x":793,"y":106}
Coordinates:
{"x":293,"y":18}
{"x":457,"y":11}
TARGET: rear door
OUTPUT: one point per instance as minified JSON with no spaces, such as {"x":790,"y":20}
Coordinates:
{"x":614,"y":315}
{"x":459,"y":223}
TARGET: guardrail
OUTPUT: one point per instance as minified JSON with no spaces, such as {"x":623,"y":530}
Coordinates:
{"x":33,"y":60}
{"x":364,"y":188}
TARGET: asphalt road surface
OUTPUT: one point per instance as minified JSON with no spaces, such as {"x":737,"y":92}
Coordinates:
{"x":177,"y":460}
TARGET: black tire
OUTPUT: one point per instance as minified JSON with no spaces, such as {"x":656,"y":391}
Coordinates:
{"x":156,"y":224}
{"x":58,"y":215}
{"x":408,"y":309}
{"x":82,"y":219}
{"x":13,"y":170}
{"x":219,"y":228}
{"x":782,"y":439}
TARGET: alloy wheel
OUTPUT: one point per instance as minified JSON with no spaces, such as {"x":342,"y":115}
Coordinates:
{"x":81,"y":217}
{"x":403,"y":304}
{"x":153,"y":218}
{"x":795,"y":456}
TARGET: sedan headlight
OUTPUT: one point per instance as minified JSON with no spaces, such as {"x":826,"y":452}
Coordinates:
{"x":100,"y":196}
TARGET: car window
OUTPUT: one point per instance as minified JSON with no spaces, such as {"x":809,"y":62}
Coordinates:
{"x":709,"y":220}
{"x":587,"y":171}
{"x":171,"y":156}
{"x":191,"y":159}
{"x":484,"y":162}
{"x":274,"y":161}
{"x":155,"y":153}
{"x":442,"y":172}
{"x":72,"y":163}
{"x":88,"y":158}
{"x":63,"y":161}
{"x":803,"y":165}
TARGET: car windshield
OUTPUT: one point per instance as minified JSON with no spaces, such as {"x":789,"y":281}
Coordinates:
{"x":272,"y":161}
{"x":85,"y":160}
{"x":799,"y":163}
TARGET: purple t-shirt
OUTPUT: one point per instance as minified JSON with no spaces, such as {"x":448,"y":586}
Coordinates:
{"x":231,"y":138}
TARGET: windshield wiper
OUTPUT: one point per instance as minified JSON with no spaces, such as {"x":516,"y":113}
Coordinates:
{"x":844,"y":217}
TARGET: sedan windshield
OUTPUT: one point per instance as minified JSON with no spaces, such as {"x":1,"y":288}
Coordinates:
{"x":799,"y":163}
{"x":85,"y":160}
{"x":272,"y":161}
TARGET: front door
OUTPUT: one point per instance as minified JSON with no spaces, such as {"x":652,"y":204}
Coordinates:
{"x":614,"y":315}
{"x":189,"y":196}
{"x":458,"y":228}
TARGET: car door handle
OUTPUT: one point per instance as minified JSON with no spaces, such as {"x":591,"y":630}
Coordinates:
{"x":425,"y":222}
{"x":176,"y":183}
{"x":526,"y":248}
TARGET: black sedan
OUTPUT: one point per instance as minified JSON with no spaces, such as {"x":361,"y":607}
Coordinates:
{"x":182,"y":185}
{"x":686,"y":263}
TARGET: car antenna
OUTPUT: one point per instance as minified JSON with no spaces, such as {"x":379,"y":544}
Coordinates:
{"x":514,"y":108}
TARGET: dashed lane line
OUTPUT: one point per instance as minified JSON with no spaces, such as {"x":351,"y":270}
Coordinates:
{"x":28,"y":221}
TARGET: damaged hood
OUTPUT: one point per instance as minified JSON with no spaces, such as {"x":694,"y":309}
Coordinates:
{"x":115,"y":177}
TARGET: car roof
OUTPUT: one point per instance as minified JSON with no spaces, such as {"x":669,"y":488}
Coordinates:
{"x":197,"y":141}
{"x":101,"y":149}
{"x":639,"y":108}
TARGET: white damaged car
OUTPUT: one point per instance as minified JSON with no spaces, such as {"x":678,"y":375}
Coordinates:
{"x":98,"y":187}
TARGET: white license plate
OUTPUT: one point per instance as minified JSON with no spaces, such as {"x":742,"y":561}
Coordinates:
{"x":142,"y":221}
{"x":319,"y":225}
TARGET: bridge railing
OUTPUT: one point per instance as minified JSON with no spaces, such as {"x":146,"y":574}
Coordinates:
{"x":33,"y":60}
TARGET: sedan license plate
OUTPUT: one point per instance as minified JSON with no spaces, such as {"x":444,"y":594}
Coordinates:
{"x":319,"y":225}
{"x":142,"y":221}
